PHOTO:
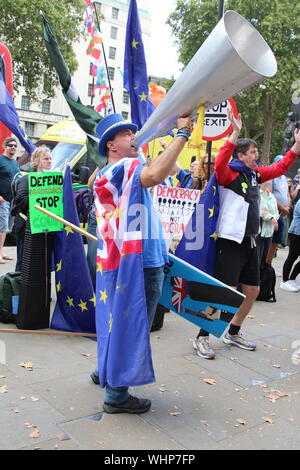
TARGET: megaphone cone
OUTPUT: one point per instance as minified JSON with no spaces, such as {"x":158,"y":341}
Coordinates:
{"x":233,"y":57}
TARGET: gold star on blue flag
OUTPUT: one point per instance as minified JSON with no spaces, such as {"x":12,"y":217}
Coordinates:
{"x":134,"y":44}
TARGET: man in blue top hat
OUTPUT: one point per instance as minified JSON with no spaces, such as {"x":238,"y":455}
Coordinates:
{"x":124,"y":358}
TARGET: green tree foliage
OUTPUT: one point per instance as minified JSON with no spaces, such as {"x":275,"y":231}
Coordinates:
{"x":265,"y":106}
{"x":21,"y":32}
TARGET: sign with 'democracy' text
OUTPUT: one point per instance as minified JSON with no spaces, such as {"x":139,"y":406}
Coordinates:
{"x":174,"y":207}
{"x":45,"y":190}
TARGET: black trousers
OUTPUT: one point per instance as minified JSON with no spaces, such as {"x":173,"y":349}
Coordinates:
{"x":294,"y":252}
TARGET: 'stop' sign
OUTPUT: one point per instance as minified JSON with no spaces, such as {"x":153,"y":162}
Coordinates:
{"x":216,"y":122}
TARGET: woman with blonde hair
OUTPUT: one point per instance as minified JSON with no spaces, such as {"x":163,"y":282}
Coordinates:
{"x":41,"y":160}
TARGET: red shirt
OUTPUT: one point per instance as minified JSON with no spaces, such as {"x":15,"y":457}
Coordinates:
{"x":225,"y":175}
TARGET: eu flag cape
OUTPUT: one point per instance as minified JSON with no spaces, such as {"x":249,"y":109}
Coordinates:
{"x":124,"y":352}
{"x":75,"y":306}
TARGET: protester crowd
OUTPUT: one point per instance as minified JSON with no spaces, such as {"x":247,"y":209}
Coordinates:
{"x":263,"y":203}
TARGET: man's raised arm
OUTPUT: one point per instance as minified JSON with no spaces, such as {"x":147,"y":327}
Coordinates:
{"x":162,"y":166}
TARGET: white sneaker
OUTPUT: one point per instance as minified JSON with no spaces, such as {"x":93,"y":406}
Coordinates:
{"x":202,"y":347}
{"x":288,"y":285}
{"x":239,"y":341}
{"x":294,"y":283}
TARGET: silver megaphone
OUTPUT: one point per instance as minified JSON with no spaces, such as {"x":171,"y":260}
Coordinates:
{"x":233,"y":57}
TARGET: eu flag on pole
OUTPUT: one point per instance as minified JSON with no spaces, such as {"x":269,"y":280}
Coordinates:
{"x":203,"y":227}
{"x":9,"y":117}
{"x":75,"y":306}
{"x":124,"y":351}
{"x":135,"y":70}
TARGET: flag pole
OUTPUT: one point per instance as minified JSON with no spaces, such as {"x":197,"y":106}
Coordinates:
{"x":104,"y":55}
{"x":37,"y":332}
{"x":66,"y":222}
{"x":209,"y":143}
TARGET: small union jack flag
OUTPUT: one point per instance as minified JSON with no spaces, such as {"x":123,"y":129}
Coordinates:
{"x":179,"y":292}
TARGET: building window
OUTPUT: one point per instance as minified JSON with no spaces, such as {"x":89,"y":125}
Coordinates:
{"x":111,"y":72}
{"x":25,"y":102}
{"x":46,"y":106}
{"x":29,"y":128}
{"x":125,"y":115}
{"x":113,"y":32}
{"x":115,"y":13}
{"x":25,"y":80}
{"x":90,"y":89}
{"x":125,"y":97}
{"x":112,"y":53}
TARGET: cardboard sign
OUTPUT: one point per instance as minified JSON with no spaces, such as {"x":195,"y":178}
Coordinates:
{"x":198,"y":297}
{"x":45,"y":190}
{"x":174,"y":207}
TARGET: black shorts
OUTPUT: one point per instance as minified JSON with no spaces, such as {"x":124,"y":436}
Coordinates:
{"x":237,"y":263}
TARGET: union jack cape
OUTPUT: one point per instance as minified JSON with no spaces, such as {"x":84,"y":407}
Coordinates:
{"x":124,"y":351}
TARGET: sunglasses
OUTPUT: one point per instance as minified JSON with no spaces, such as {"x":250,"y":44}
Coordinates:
{"x":11,"y":145}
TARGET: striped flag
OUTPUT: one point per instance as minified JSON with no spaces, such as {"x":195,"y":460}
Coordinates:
{"x":96,"y":52}
{"x":9,"y":117}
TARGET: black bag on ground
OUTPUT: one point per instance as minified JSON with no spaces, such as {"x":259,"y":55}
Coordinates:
{"x":9,"y":286}
{"x":267,"y":284}
{"x":159,"y":317}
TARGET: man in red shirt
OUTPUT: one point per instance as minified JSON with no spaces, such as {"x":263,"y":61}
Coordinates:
{"x":238,"y":225}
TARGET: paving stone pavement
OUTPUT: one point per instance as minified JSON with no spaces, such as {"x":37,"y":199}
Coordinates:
{"x":252,"y":403}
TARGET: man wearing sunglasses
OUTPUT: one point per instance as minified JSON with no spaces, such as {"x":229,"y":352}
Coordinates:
{"x":8,"y":169}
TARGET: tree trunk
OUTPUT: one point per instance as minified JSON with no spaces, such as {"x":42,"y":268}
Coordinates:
{"x":265,"y":154}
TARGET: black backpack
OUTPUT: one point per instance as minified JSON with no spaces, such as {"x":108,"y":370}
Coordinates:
{"x":9,"y":286}
{"x":84,"y":199}
{"x":267,"y":283}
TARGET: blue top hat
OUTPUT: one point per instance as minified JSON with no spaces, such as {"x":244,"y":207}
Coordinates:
{"x":110,"y":126}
